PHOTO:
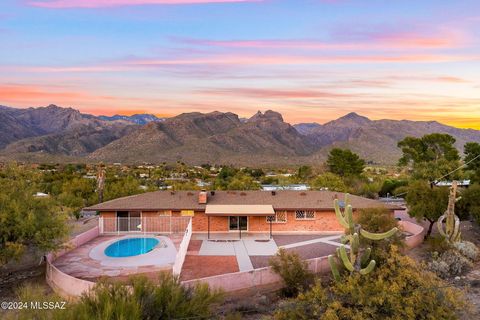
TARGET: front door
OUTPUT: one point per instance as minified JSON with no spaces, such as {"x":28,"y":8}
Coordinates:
{"x":236,"y":223}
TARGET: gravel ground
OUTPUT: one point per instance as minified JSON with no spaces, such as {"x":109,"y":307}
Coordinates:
{"x":309,"y":251}
{"x":282,"y":240}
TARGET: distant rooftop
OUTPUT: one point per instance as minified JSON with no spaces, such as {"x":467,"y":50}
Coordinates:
{"x":460,"y":183}
{"x":275,"y":187}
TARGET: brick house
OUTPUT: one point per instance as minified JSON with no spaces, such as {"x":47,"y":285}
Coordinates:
{"x":229,"y":211}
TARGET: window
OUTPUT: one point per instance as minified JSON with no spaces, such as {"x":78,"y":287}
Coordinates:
{"x":279,"y":217}
{"x":304,"y":215}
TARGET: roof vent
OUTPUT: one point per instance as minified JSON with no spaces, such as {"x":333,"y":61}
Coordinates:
{"x":189,"y":193}
{"x":274,"y":193}
{"x":212,"y":193}
{"x":243,"y":194}
{"x":303,"y":193}
{"x":172,"y":192}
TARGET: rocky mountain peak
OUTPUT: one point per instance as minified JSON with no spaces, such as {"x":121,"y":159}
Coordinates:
{"x":268,"y":115}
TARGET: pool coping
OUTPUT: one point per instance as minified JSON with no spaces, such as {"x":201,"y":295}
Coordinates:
{"x":158,"y":256}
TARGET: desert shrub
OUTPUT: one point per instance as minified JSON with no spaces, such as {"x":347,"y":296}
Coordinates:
{"x":310,"y":304}
{"x":138,"y":299}
{"x":166,"y":300}
{"x":437,"y":244}
{"x":379,"y":220}
{"x":34,"y":292}
{"x":398,"y":289}
{"x":293,"y":270}
{"x":449,"y":264}
{"x":467,"y":249}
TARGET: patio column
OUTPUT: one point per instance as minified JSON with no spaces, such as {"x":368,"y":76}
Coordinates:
{"x":239,"y":227}
{"x":208,"y":228}
{"x":270,"y":228}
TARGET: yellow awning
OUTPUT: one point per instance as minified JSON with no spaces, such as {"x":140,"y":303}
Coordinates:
{"x":239,"y":210}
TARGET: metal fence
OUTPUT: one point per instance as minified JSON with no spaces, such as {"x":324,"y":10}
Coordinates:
{"x":161,"y":224}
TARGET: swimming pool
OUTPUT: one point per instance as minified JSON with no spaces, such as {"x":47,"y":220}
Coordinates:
{"x":131,"y":247}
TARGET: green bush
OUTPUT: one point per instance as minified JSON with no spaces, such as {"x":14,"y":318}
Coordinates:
{"x":379,"y":220}
{"x":397,"y":289}
{"x":437,"y":244}
{"x":293,"y":270}
{"x":137,"y":299}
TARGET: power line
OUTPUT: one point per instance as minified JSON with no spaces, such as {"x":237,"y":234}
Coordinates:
{"x":446,"y":175}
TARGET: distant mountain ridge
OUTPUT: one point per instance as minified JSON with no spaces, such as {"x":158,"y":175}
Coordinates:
{"x":136,"y":118}
{"x":64,"y":134}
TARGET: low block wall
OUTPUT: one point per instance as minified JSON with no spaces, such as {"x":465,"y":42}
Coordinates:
{"x":417,"y":233}
{"x":237,"y":281}
{"x":63,"y":284}
{"x":182,"y":250}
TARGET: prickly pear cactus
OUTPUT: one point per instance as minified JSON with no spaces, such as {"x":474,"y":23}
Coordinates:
{"x":355,"y":260}
{"x":451,"y":230}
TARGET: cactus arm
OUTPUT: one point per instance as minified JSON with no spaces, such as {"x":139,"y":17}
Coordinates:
{"x":339,"y":214}
{"x":440,"y":226}
{"x":456,"y":231}
{"x":366,"y":256}
{"x":355,"y":243}
{"x":368,"y":268}
{"x":333,"y":267}
{"x":343,"y":255}
{"x":378,"y":236}
{"x":349,"y":215}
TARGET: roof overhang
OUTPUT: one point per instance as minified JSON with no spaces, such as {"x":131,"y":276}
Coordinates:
{"x":239,"y":210}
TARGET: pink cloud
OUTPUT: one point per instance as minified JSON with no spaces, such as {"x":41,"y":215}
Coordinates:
{"x":392,"y":40}
{"x":63,"y":4}
{"x":276,"y":93}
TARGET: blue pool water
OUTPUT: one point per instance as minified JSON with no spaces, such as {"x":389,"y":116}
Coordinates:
{"x":130,"y":247}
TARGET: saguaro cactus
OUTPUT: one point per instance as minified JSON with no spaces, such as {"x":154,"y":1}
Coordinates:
{"x":356,"y":260}
{"x":451,"y":231}
{"x":100,"y":183}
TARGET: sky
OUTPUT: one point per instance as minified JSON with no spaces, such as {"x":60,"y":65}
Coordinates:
{"x":312,"y":60}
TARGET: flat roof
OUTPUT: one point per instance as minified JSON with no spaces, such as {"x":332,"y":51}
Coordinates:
{"x":279,"y":200}
{"x":243,"y":210}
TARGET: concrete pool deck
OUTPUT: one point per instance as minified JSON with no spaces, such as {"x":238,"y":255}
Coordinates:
{"x":79,"y":264}
{"x":163,"y":254}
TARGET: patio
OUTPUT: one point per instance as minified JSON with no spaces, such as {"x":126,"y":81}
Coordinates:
{"x":251,"y":252}
{"x":79,"y":264}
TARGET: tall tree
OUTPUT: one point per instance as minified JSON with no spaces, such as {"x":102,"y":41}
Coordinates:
{"x":431,"y":156}
{"x":345,"y":162}
{"x":472,"y":157}
{"x":426,"y":203}
{"x":430,"y":147}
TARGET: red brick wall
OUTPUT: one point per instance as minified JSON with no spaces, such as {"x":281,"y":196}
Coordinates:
{"x":200,"y":223}
{"x":109,"y":223}
{"x":324,"y":221}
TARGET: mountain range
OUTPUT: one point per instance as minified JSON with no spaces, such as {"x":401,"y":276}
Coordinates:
{"x":53,"y":133}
